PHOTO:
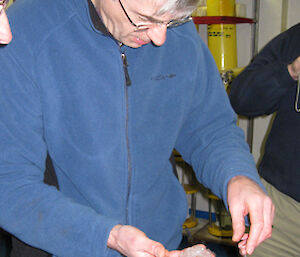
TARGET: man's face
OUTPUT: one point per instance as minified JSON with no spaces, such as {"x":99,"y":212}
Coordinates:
{"x":123,"y":17}
{"x":5,"y":32}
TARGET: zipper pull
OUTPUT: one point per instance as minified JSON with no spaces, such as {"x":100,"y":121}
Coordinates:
{"x":125,"y":67}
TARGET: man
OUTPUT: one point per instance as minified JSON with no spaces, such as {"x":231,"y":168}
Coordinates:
{"x":5,"y":33}
{"x":270,"y":84}
{"x":109,"y":98}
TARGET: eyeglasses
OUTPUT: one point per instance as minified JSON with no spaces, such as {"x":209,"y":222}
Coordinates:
{"x":151,"y":24}
{"x":3,"y":4}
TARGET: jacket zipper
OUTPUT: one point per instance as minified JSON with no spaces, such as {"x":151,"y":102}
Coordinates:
{"x":129,"y":166}
{"x":128,"y":159}
{"x":125,"y":67}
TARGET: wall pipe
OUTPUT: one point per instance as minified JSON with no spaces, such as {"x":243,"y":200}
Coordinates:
{"x":254,"y":50}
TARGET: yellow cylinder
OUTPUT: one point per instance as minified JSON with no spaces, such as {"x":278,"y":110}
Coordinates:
{"x":220,"y":7}
{"x":222,"y":37}
{"x":222,"y":44}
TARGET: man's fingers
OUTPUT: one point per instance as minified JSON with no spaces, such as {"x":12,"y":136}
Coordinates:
{"x":256,"y":228}
{"x":269,"y":213}
{"x":242,"y":247}
{"x":246,"y":197}
{"x":238,"y":224}
{"x":154,"y":248}
{"x":130,"y":241}
{"x":261,"y":224}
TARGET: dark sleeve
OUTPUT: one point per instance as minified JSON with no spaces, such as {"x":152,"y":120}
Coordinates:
{"x":21,"y":249}
{"x":259,"y":88}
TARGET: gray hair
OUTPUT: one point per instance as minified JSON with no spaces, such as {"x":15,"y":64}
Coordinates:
{"x":178,"y":8}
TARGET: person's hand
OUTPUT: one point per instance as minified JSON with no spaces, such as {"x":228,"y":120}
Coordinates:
{"x":132,"y":242}
{"x":246,"y":197}
{"x":294,"y":68}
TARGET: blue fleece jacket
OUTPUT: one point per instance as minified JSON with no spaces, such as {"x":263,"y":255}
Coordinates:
{"x":63,"y":90}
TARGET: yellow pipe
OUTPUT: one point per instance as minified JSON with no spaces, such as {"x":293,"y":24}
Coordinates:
{"x":222,"y":37}
{"x":220,"y":7}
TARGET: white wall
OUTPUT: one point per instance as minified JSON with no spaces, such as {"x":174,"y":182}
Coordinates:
{"x":270,"y":24}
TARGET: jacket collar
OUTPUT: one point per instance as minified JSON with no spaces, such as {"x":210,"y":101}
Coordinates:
{"x":87,"y":12}
{"x":96,"y":20}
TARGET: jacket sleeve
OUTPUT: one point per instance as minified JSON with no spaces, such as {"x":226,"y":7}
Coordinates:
{"x":258,"y":90}
{"x":210,"y":139}
{"x":36,"y":213}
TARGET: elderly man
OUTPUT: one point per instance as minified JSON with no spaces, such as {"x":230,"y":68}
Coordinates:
{"x":109,"y":88}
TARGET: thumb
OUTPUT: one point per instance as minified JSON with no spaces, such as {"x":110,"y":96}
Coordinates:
{"x":175,"y":253}
{"x":156,"y":249}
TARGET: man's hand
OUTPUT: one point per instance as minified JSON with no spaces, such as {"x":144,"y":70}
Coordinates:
{"x":246,"y":197}
{"x":132,"y":242}
{"x":294,"y":68}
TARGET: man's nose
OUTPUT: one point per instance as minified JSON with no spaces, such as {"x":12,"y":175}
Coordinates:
{"x":5,"y":32}
{"x":158,"y":34}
